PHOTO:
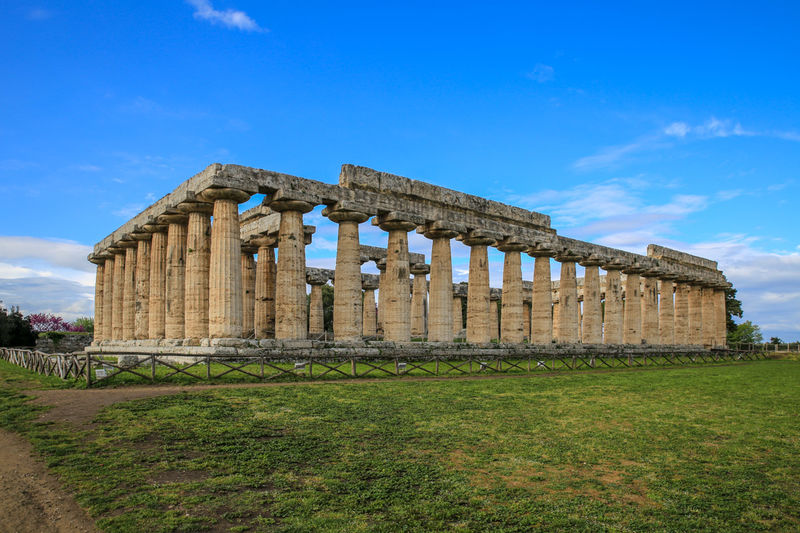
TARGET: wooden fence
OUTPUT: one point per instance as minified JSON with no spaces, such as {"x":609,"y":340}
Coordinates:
{"x":64,"y":366}
{"x":155,"y":367}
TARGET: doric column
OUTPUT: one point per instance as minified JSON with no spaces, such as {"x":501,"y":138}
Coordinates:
{"x":612,"y":327}
{"x":347,"y":306}
{"x":396,"y":315}
{"x":119,"y":294}
{"x":542,"y":296}
{"x":526,"y":319}
{"x":441,"y":324}
{"x":98,"y":297}
{"x":512,"y":316}
{"x":458,"y":315}
{"x":419,"y":293}
{"x":478,"y":306}
{"x":248,"y":289}
{"x":225,"y":264}
{"x":649,"y":310}
{"x":695,"y":314}
{"x":141,"y":320}
{"x":198,"y":257}
{"x":380,"y":264}
{"x":709,"y":315}
{"x":721,"y":315}
{"x":556,"y":317}
{"x":569,"y":311}
{"x":494,"y":315}
{"x":316,"y":311}
{"x":290,"y":290}
{"x":176,"y":275}
{"x":682,"y":291}
{"x":264,"y":312}
{"x":632,"y":321}
{"x":108,"y":296}
{"x":591,"y":325}
{"x":158,"y":280}
{"x":666,"y":310}
{"x":369,"y":322}
{"x":129,"y":289}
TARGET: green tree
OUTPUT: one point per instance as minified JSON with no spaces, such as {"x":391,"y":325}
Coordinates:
{"x":87,"y":323}
{"x":746,"y":333}
{"x":15,"y":330}
{"x":733,"y":308}
{"x":775,"y":340}
{"x":327,"y":306}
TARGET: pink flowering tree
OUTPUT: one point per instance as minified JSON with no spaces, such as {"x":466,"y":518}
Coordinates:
{"x":41,"y":322}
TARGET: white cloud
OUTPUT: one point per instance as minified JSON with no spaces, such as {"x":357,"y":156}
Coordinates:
{"x":230,"y":18}
{"x":129,"y":211}
{"x":541,"y":73}
{"x":677,"y":129}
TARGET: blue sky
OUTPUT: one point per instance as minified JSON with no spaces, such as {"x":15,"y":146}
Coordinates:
{"x":676,"y":124}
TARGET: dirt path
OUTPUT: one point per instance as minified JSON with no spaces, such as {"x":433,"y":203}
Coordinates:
{"x":32,"y":498}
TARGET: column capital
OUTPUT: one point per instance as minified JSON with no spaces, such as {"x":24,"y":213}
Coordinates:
{"x":196,"y":207}
{"x":614,"y":264}
{"x":154,"y":227}
{"x":264,"y":241}
{"x":634,"y":268}
{"x":173,"y":218}
{"x":380,"y":264}
{"x":141,"y":235}
{"x":592,"y":260}
{"x":541,"y":250}
{"x":441,"y":229}
{"x":128,"y":243}
{"x":510,"y":244}
{"x":316,"y":278}
{"x":369,"y":284}
{"x":396,"y":221}
{"x":568,"y":256}
{"x":291,"y":205}
{"x":249,"y":248}
{"x":480,"y":237}
{"x":344,"y":215}
{"x":419,"y":268}
{"x":97,"y":259}
{"x":223,"y":193}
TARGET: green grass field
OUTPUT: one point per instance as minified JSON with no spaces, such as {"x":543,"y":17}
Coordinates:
{"x":714,"y":448}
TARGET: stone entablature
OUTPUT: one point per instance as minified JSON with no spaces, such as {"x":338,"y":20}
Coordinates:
{"x":170,"y":273}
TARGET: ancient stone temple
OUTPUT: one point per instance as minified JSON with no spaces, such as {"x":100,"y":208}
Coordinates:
{"x":192,"y":275}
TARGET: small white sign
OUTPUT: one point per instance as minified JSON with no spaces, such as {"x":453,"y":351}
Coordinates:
{"x":100,"y":373}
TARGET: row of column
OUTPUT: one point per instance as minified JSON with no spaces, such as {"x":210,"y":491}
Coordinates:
{"x":183,"y":277}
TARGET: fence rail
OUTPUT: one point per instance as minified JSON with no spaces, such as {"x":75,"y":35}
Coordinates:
{"x":64,"y":366}
{"x":153,"y":367}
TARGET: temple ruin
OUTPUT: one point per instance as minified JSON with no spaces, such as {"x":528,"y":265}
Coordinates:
{"x":192,"y":275}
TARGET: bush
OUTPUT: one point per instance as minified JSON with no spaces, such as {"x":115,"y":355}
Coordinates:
{"x":15,"y":330}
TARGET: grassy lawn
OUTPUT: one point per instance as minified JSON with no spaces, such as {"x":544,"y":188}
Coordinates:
{"x":713,"y":448}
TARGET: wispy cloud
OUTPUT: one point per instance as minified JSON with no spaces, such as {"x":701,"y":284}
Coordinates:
{"x":669,"y":136}
{"x":230,"y":18}
{"x":129,"y":210}
{"x":541,"y":73}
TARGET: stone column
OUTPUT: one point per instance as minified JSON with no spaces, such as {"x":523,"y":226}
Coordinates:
{"x":396,"y":315}
{"x":129,"y":289}
{"x":141,"y":321}
{"x":478,"y":306}
{"x":108,"y":296}
{"x":649,"y":311}
{"x":709,"y":337}
{"x":176,"y":275}
{"x":419,"y":293}
{"x":512,"y":317}
{"x":264,"y":313}
{"x":119,"y":294}
{"x":591,"y":325}
{"x":632,"y":320}
{"x":612,"y":328}
{"x":98,"y":298}
{"x":225,"y":264}
{"x":695,"y":314}
{"x":381,"y":266}
{"x":347,"y":306}
{"x":248,"y":290}
{"x":158,"y":280}
{"x":682,"y":291}
{"x":198,"y":257}
{"x":290,"y":291}
{"x":494,"y":318}
{"x":721,"y":315}
{"x":569,"y":312}
{"x":666,"y":311}
{"x":556,"y":317}
{"x":526,"y":320}
{"x":458,"y":316}
{"x":441,"y":324}
{"x":369,"y":312}
{"x":316,"y":312}
{"x":542,"y":297}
